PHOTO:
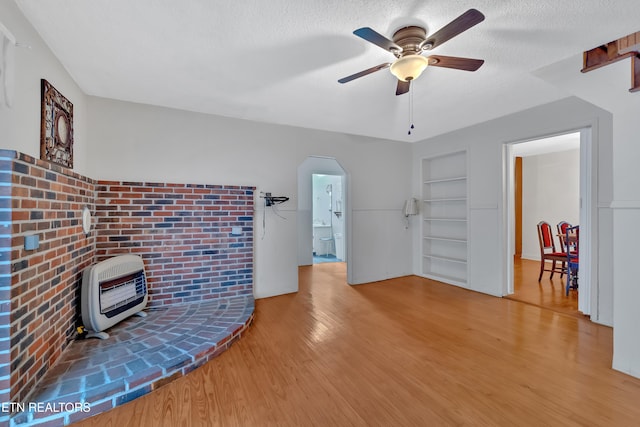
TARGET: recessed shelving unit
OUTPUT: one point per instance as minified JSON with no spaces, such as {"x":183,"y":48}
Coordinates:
{"x":444,"y":215}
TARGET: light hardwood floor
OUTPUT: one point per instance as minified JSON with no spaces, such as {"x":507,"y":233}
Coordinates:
{"x":548,"y":293}
{"x":402,"y":352}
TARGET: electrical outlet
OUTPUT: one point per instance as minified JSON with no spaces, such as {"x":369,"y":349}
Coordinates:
{"x":31,"y":242}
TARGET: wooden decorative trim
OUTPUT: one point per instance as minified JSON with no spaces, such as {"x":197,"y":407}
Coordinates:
{"x":635,"y":74}
{"x":614,"y":51}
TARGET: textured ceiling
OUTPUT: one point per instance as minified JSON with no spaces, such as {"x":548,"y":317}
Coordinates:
{"x":279,"y":61}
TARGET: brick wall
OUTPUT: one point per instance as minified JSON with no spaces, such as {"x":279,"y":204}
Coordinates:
{"x":183,"y":233}
{"x":47,"y":201}
{"x":6,"y":160}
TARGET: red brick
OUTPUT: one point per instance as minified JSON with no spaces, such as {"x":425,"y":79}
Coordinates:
{"x":112,"y":208}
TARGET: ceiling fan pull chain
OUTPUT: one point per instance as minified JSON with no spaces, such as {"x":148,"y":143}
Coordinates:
{"x":409,"y":132}
{"x":410,"y":112}
{"x":411,"y":95}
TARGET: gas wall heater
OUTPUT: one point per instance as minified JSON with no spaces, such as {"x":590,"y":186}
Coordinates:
{"x":112,"y":290}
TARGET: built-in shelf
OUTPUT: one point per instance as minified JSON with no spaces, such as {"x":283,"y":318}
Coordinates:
{"x":456,"y":199}
{"x":444,"y":214}
{"x":447,"y":279}
{"x":437,"y":181}
{"x":448,"y":259}
{"x":445,"y":239}
{"x":447,"y":219}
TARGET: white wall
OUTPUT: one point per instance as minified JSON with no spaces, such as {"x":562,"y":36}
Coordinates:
{"x":626,"y":216}
{"x":20,"y":125}
{"x":487,"y":249}
{"x":551,"y":193}
{"x":608,"y":87}
{"x":144,"y":143}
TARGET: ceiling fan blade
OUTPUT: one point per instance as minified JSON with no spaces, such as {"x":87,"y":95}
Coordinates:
{"x":376,"y":38}
{"x":403,"y":87}
{"x":462,"y":23}
{"x":466,"y":64}
{"x":364,"y":73}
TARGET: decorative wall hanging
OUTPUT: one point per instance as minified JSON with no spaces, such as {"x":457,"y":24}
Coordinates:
{"x":56,"y":127}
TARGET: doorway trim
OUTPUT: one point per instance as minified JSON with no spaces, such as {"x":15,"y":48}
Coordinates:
{"x":327,"y":166}
{"x":587,"y":297}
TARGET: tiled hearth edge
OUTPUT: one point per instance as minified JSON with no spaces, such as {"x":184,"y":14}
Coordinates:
{"x":189,"y":335}
{"x":39,"y":290}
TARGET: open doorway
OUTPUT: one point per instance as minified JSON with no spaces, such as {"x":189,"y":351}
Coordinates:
{"x":547,"y":183}
{"x":323,"y":197}
{"x":328,"y":220}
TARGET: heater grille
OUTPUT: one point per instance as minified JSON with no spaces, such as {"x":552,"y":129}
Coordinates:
{"x":119,"y":294}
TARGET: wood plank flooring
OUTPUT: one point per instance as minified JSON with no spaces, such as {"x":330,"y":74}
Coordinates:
{"x":548,"y":293}
{"x":401,"y":352}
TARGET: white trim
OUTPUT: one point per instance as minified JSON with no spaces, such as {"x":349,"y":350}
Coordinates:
{"x":478,"y":207}
{"x":588,"y":172}
{"x":331,"y":166}
{"x":446,"y":219}
{"x":449,"y":259}
{"x":8,"y":34}
{"x":437,"y":181}
{"x":444,"y":239}
{"x":585,"y":275}
{"x":508,"y":217}
{"x":624,"y":204}
{"x":449,"y":280}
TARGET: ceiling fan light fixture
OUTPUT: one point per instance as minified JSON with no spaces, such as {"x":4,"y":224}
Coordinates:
{"x":409,"y":67}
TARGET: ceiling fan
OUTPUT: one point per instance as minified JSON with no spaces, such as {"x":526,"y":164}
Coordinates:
{"x":408,"y":44}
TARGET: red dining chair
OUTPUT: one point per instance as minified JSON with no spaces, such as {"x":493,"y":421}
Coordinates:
{"x":562,"y":231}
{"x":548,"y":251}
{"x":572,"y":236}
